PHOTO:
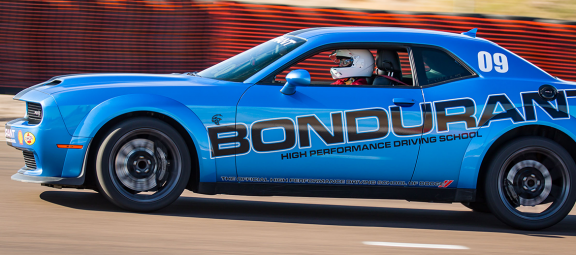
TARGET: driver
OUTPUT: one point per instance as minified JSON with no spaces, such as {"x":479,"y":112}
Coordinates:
{"x":353,"y":66}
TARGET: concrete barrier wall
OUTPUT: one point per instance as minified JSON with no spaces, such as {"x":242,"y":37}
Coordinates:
{"x":44,"y":38}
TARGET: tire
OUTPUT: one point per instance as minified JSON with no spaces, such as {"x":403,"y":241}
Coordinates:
{"x":477,"y":206}
{"x":530,"y":183}
{"x":142,"y":164}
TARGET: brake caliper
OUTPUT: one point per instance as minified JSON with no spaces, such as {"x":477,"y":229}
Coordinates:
{"x":511,"y":193}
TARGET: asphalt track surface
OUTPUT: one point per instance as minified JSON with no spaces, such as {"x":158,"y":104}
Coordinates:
{"x":42,"y":220}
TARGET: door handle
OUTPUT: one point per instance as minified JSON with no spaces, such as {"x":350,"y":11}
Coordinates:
{"x":403,"y":101}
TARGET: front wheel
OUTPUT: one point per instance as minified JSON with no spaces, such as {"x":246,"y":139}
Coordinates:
{"x":142,"y":164}
{"x":530,"y":182}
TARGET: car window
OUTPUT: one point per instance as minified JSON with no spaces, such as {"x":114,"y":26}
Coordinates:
{"x":319,"y":66}
{"x":405,"y":65}
{"x":246,"y":64}
{"x":439,"y":66}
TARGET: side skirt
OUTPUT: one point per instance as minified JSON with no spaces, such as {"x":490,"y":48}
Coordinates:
{"x":340,"y":191}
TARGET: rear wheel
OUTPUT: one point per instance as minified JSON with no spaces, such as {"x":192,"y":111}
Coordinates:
{"x":142,"y":164}
{"x":529,"y":184}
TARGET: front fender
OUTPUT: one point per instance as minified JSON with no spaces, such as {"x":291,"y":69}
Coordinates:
{"x":114,"y":107}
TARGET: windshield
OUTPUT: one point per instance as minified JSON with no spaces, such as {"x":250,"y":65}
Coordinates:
{"x":246,"y":64}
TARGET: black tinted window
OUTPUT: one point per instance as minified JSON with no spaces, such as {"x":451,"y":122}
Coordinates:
{"x":439,"y":66}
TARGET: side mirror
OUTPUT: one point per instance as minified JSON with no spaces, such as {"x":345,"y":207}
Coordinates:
{"x":295,"y":78}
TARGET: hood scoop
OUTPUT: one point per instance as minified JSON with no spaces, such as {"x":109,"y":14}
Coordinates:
{"x":50,"y":82}
{"x":53,"y":83}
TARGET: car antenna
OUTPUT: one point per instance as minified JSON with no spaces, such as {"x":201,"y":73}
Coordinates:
{"x":471,"y":33}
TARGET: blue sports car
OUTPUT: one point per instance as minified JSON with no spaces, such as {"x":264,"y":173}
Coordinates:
{"x":360,"y":112}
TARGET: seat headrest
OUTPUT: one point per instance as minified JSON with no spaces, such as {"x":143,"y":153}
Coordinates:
{"x":388,"y":61}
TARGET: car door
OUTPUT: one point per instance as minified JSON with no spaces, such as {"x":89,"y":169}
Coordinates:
{"x":447,"y":87}
{"x":330,"y":134}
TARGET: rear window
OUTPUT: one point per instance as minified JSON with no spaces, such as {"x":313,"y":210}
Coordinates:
{"x":439,"y":66}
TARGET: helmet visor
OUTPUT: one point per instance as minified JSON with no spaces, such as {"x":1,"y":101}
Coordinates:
{"x":341,"y":61}
{"x":345,"y":62}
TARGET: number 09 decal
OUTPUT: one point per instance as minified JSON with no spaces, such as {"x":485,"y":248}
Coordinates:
{"x":486,"y":61}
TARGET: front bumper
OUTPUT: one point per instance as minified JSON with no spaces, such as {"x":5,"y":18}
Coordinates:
{"x":21,"y":176}
{"x":45,"y":162}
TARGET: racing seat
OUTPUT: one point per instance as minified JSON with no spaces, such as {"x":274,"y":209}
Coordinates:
{"x":388,"y":64}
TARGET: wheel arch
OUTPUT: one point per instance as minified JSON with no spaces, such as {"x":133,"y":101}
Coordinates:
{"x":174,"y":113}
{"x":552,"y":133}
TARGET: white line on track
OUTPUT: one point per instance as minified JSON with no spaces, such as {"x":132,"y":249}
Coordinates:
{"x":419,"y":245}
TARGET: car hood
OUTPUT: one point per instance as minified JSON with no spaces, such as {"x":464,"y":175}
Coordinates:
{"x":76,"y":95}
{"x":65,"y":83}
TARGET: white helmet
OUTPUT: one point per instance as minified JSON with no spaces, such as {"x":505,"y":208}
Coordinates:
{"x":358,"y":63}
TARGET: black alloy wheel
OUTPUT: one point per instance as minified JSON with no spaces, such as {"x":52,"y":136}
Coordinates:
{"x":142,"y":164}
{"x":530,"y":183}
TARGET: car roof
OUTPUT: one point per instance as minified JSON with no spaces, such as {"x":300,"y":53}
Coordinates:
{"x":384,"y":31}
{"x":464,"y":46}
